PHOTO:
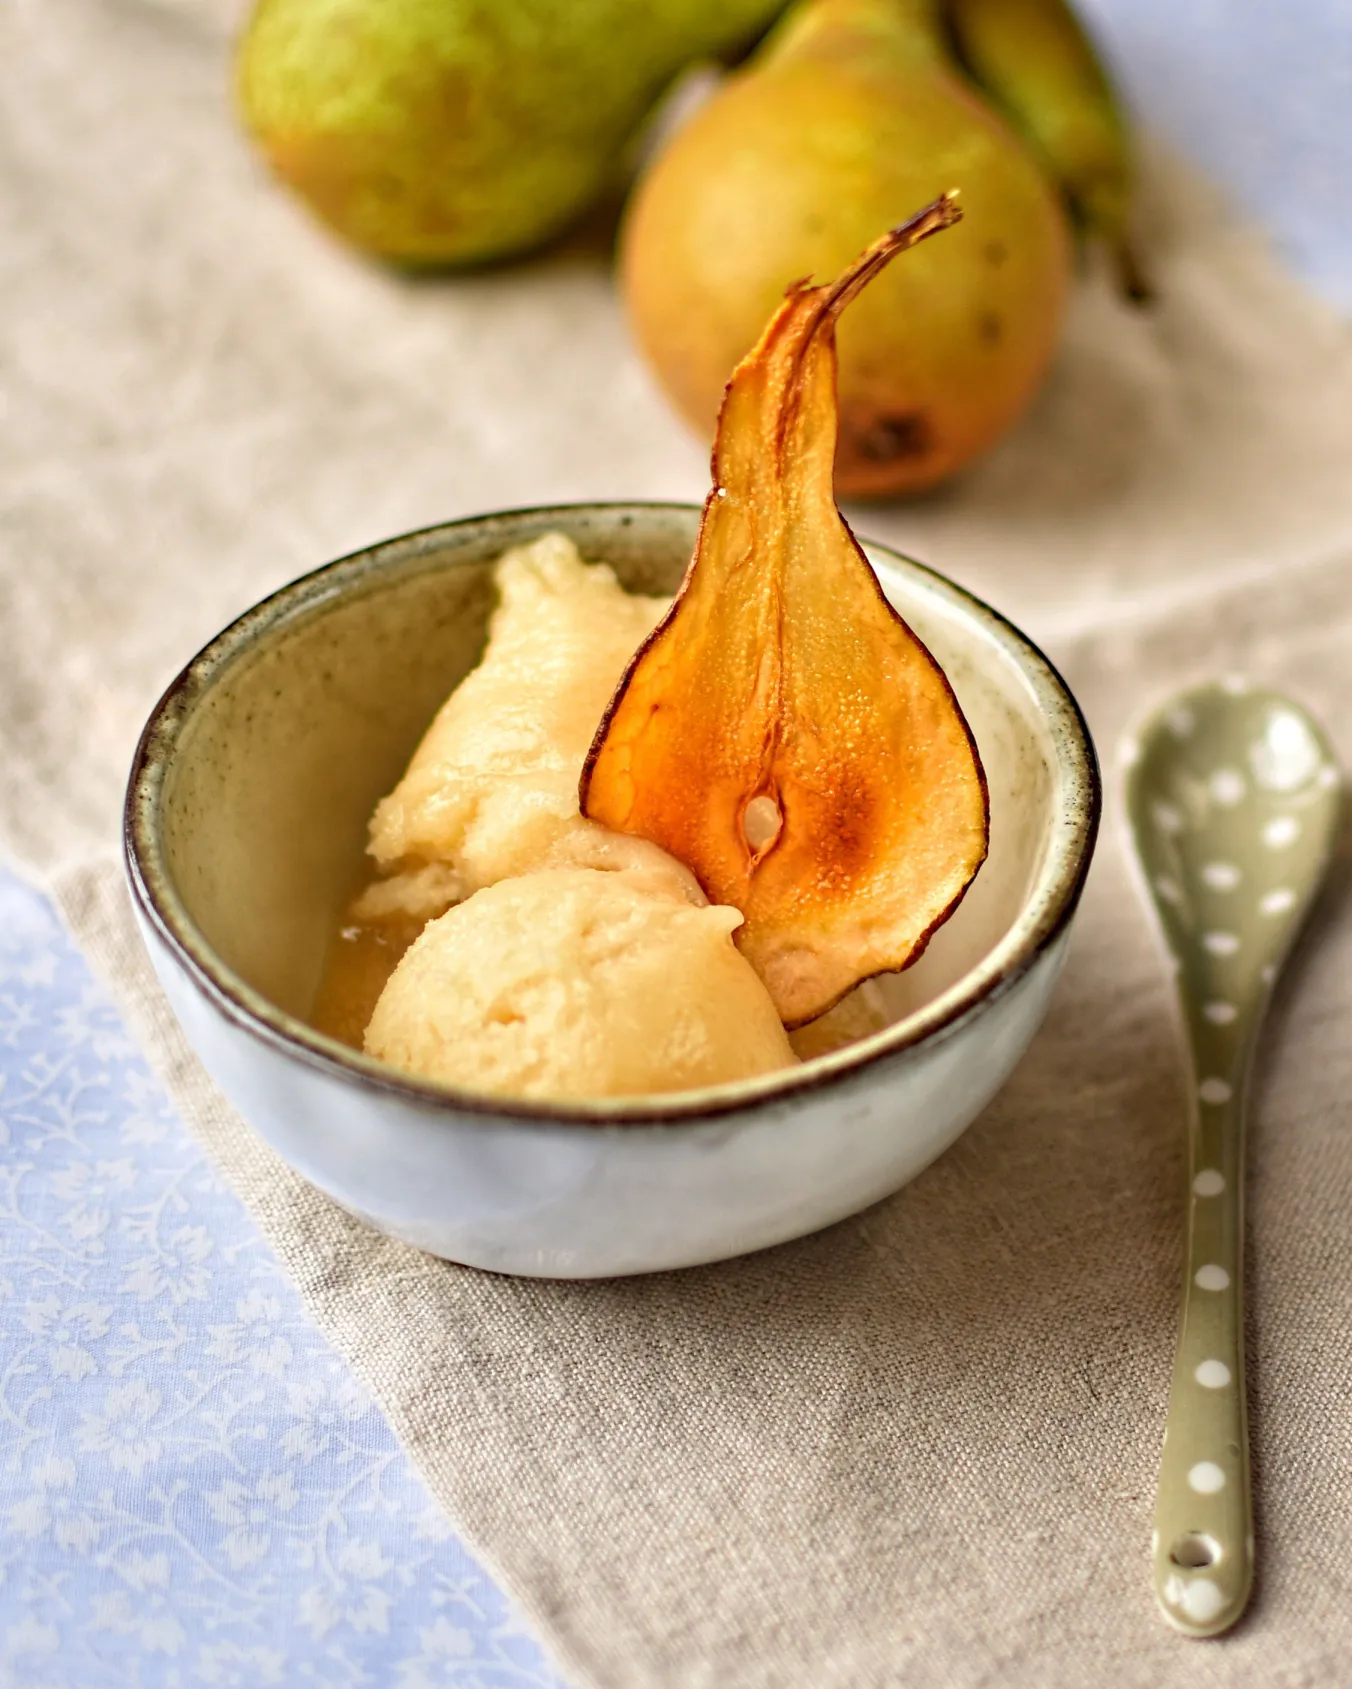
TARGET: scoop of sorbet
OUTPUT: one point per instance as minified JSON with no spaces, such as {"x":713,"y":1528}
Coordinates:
{"x":576,"y":982}
{"x":492,"y":789}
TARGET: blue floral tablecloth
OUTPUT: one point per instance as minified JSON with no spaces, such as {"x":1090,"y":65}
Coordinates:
{"x":192,"y":1488}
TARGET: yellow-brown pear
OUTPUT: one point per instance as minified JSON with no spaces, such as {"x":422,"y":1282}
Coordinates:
{"x":852,"y":113}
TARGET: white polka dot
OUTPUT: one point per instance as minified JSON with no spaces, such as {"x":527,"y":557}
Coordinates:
{"x":1212,"y":1375}
{"x":1129,"y":752}
{"x":1211,"y":1277}
{"x":1221,"y":876}
{"x":1220,"y":1014}
{"x":1168,"y":889}
{"x":1268,"y":974}
{"x":1234,"y":684}
{"x":1281,"y":831}
{"x":1277,"y":901}
{"x":1201,"y":1600}
{"x":1206,"y":1477}
{"x":1214,"y":1091}
{"x":1328,"y":777}
{"x":1209,"y":1182}
{"x":1220,"y":943}
{"x":1286,"y":755}
{"x":1181,"y":721}
{"x":1228,"y":787}
{"x":1167,"y":818}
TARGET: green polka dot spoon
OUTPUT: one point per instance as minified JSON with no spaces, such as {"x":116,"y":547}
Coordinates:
{"x":1232,"y":798}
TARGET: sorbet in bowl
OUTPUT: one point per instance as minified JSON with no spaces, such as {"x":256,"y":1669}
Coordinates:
{"x":532,"y":952}
{"x":249,"y":813}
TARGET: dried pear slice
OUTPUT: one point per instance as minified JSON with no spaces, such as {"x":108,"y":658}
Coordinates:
{"x":782,"y":731}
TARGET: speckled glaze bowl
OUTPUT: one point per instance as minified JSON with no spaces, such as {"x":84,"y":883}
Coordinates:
{"x":245,"y":822}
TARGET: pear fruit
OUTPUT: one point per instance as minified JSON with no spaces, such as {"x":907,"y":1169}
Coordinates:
{"x":1038,"y":65}
{"x":460,"y":131}
{"x":783,"y":732}
{"x":851,"y":112}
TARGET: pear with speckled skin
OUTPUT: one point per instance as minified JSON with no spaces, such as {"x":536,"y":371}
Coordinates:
{"x":437,"y":132}
{"x":851,"y":114}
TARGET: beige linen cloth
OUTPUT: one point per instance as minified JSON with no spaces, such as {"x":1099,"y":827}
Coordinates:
{"x":917,"y":1449}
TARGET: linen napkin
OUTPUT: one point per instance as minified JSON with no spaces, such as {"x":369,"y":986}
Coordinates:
{"x":918,"y":1448}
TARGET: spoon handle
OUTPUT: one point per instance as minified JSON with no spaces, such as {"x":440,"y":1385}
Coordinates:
{"x":1203,"y":1543}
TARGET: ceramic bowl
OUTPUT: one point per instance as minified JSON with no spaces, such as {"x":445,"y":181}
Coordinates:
{"x":245,"y":823}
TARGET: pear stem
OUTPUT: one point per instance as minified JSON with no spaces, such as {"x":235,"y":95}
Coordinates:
{"x":942,"y":213}
{"x":1130,"y":276}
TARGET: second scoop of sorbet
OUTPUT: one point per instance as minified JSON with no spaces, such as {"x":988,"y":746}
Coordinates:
{"x":491,"y":791}
{"x":573,"y":983}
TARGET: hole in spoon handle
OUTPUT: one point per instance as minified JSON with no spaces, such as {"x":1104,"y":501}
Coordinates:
{"x":1203,"y":1543}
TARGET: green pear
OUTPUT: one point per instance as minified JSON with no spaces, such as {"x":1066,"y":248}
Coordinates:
{"x":459,"y":131}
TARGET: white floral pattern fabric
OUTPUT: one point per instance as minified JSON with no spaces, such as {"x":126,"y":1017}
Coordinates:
{"x":192,"y":1487}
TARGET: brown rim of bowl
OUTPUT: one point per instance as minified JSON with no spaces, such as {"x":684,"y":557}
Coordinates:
{"x":152,"y":888}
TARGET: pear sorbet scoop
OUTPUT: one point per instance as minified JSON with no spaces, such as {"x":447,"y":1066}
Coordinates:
{"x":491,"y":791}
{"x":575,"y":982}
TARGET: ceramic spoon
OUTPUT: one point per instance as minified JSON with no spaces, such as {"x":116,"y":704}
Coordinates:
{"x":1232,"y":799}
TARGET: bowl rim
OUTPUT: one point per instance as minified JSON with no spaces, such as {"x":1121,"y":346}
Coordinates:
{"x":1045,"y":913}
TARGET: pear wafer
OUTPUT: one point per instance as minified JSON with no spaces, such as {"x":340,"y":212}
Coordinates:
{"x":783,"y":732}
